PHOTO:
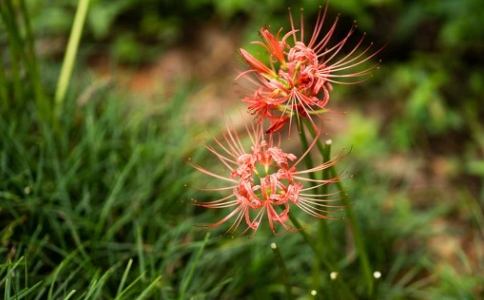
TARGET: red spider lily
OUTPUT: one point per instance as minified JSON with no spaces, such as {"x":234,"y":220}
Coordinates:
{"x":264,"y":181}
{"x":299,"y":79}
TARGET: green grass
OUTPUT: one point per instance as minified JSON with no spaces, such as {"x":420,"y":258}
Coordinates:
{"x":94,"y":205}
{"x":99,"y":210}
{"x":89,"y":198}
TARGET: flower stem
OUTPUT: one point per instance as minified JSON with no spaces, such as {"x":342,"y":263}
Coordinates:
{"x":357,"y":236}
{"x":310,"y":242}
{"x":282,"y":266}
{"x":323,"y":190}
{"x":326,"y":240}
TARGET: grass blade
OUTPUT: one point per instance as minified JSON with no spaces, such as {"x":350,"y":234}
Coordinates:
{"x":191,"y":271}
{"x":69,"y":59}
{"x":144,"y":294}
{"x":123,"y":279}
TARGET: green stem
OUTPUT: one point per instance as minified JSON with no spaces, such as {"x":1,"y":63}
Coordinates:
{"x":326,"y":174}
{"x":323,"y":190}
{"x":326,"y":241}
{"x":282,"y":266}
{"x":310,"y":242}
{"x":69,"y":58}
{"x":357,"y":236}
{"x":305,"y":145}
{"x":310,"y":127}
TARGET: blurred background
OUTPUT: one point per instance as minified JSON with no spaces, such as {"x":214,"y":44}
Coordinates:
{"x":164,"y":71}
{"x":424,"y":100}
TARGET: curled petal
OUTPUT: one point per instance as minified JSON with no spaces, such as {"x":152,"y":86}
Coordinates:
{"x":256,"y":64}
{"x":298,"y":80}
{"x":265,"y":180}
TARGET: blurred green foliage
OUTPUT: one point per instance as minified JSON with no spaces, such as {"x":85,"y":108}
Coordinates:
{"x":433,"y":53}
{"x":82,"y":200}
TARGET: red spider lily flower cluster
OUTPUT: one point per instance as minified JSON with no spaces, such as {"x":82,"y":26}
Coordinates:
{"x":265,"y":181}
{"x":299,"y":78}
